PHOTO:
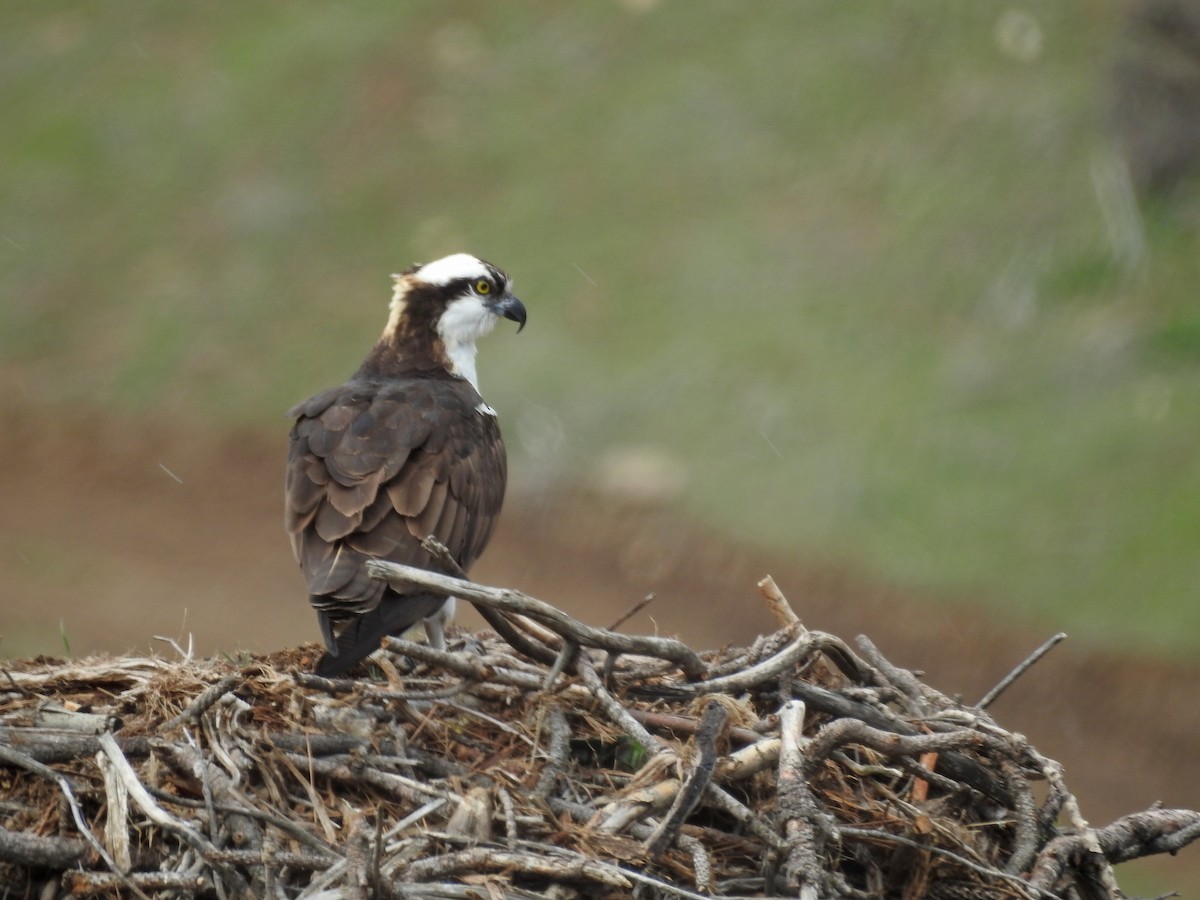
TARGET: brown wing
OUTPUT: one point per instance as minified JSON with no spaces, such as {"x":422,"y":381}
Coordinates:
{"x":375,"y":468}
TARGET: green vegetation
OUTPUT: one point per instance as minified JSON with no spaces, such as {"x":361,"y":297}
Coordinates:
{"x":861,"y":268}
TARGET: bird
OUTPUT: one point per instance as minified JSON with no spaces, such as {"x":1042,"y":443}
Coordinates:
{"x":405,"y":449}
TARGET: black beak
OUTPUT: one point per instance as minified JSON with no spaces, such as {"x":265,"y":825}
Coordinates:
{"x":511,"y":308}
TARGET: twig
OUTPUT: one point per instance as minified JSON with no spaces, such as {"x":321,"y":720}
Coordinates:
{"x":204,"y":700}
{"x":564,"y":866}
{"x":287,"y":826}
{"x":510,"y":818}
{"x":787,"y":658}
{"x":990,"y":697}
{"x":499,"y":621}
{"x":40,"y":852}
{"x":467,"y":665}
{"x":726,"y":802}
{"x":116,"y":821}
{"x":802,"y":869}
{"x":97,"y":882}
{"x":16,"y":758}
{"x":46,"y":746}
{"x":901,"y":679}
{"x":615,"y":711}
{"x":631,"y":612}
{"x":516,"y":602}
{"x":777,"y":602}
{"x":690,"y":795}
{"x":875,"y":834}
{"x":139,"y":795}
{"x":687,"y":726}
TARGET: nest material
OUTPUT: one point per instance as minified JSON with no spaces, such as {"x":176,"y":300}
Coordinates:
{"x":587,"y":764}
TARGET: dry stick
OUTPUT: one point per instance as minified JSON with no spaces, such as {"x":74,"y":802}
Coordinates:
{"x":791,"y":655}
{"x":802,"y":867}
{"x":565,"y":655}
{"x":685,"y":725}
{"x":373,"y":693}
{"x":557,"y":753}
{"x":52,"y":716}
{"x":203,"y":701}
{"x":468,"y":665}
{"x":777,"y":602}
{"x":788,"y":657}
{"x":689,"y":796}
{"x":854,"y":832}
{"x":1025,"y":840}
{"x":516,"y":602}
{"x":701,"y":864}
{"x":12,"y":681}
{"x":901,"y":679}
{"x":990,"y":697}
{"x":287,"y":826}
{"x":727,"y":803}
{"x":116,"y":822}
{"x":662,"y":887}
{"x":749,"y":760}
{"x":632,"y":806}
{"x":1093,"y":859}
{"x":615,"y":711}
{"x":55,"y":747}
{"x":500,"y":623}
{"x":358,"y":862}
{"x":87,"y":883}
{"x":852,"y":731}
{"x":510,"y":818}
{"x":16,"y":758}
{"x":631,"y":612}
{"x":920,"y":787}
{"x":955,"y":765}
{"x":445,"y":891}
{"x":353,"y":770}
{"x":218,"y":788}
{"x":214,"y":827}
{"x":38,"y":852}
{"x":561,"y":866}
{"x":154,"y":812}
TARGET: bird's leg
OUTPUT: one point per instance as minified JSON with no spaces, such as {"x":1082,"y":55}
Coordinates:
{"x":435,"y":625}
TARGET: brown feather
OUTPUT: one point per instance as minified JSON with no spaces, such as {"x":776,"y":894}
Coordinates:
{"x":376,"y":466}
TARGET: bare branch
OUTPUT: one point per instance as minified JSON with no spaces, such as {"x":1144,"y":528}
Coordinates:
{"x":516,"y":602}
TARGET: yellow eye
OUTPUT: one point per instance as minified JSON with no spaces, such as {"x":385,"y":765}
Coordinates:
{"x":483,"y":287}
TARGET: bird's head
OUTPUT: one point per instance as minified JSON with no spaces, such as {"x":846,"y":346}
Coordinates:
{"x":440,"y":309}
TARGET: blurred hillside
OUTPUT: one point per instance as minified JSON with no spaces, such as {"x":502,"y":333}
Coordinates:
{"x":869,"y":282}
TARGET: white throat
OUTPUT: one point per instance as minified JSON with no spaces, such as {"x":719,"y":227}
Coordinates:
{"x":465,"y":320}
{"x":462,"y":363}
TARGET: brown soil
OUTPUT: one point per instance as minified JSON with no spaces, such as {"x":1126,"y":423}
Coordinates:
{"x":123,"y":530}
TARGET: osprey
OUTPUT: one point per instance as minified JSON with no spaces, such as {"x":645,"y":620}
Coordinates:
{"x":405,"y":449}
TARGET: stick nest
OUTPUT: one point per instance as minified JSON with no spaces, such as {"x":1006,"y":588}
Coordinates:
{"x":584,"y":764}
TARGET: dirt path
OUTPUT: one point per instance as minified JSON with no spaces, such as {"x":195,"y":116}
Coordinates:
{"x":123,"y":530}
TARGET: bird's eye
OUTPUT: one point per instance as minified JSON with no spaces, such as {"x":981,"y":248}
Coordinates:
{"x":483,"y":287}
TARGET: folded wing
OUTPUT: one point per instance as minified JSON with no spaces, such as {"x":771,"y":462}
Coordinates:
{"x":373,"y":469}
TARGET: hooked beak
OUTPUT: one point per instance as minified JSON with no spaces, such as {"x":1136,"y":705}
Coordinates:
{"x":511,"y":308}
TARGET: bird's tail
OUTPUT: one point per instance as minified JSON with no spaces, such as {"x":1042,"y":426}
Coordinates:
{"x":350,"y":640}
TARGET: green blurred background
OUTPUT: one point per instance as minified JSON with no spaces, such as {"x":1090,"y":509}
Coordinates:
{"x":871,"y":278}
{"x":899,"y":288}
